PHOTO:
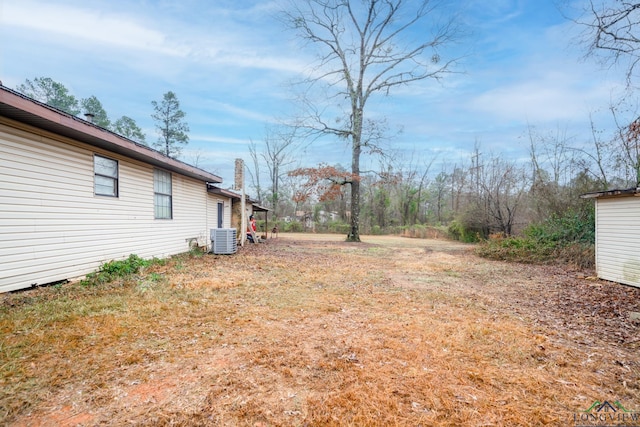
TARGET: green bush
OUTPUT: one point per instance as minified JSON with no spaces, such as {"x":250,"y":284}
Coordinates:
{"x":338,"y":227}
{"x":458,"y":231}
{"x":293,"y":227}
{"x":567,"y":238}
{"x":113,"y":270}
{"x":571,"y":227}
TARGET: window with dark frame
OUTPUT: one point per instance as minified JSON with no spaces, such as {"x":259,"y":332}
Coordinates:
{"x":220,"y":215}
{"x":105,"y":176}
{"x":162,"y":194}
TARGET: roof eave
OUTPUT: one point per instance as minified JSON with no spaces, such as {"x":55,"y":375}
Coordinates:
{"x":628,"y":192}
{"x":21,"y":109}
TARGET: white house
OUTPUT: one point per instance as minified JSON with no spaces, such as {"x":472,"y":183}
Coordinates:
{"x":74,"y":195}
{"x":618,"y":235}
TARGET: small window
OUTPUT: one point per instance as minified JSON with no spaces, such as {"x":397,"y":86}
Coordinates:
{"x":162,"y":194}
{"x":220,"y":215}
{"x":105,"y":176}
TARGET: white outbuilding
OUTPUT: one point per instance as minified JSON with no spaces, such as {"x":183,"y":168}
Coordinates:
{"x":618,"y":235}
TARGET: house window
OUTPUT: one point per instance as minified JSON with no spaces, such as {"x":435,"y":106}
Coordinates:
{"x":220,"y":215}
{"x":162,"y":194}
{"x":105,"y":176}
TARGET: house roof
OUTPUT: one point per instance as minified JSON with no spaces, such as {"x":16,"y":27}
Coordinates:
{"x":612,"y":193}
{"x":228,"y":193}
{"x":22,"y":109}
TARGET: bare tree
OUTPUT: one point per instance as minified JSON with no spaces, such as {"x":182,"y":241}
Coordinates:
{"x":255,"y":175}
{"x":365,"y":48}
{"x":410,"y":183}
{"x":629,"y":156}
{"x":613,"y":29}
{"x":552,"y":163}
{"x":439,"y":189}
{"x":280,"y":145}
{"x":459,"y":179}
{"x":503,"y":187}
{"x":596,"y":162}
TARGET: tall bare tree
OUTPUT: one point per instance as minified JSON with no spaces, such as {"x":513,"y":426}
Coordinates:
{"x":255,"y":174}
{"x":630,"y":153}
{"x":366,"y":47}
{"x":597,"y":161}
{"x":278,"y":154}
{"x":503,"y":186}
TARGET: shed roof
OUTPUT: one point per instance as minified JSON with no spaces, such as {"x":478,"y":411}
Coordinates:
{"x":22,"y":109}
{"x":629,"y":192}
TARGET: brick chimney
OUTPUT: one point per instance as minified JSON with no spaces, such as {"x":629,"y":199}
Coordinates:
{"x":239,"y":175}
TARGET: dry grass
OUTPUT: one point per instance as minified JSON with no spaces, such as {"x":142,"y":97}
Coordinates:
{"x":309,"y":330}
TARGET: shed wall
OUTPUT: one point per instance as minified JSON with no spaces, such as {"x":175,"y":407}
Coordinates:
{"x":618,"y":239}
{"x":53,"y":227}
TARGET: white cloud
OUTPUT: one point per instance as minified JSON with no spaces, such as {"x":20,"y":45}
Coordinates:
{"x":219,"y":139}
{"x":534,"y":101}
{"x":221,"y":43}
{"x":86,"y":26}
{"x":227,"y":61}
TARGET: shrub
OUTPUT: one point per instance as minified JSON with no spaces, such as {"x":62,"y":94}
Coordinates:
{"x":376,"y":230}
{"x":567,"y":238}
{"x":458,"y":231}
{"x":293,"y":227}
{"x":425,"y":232}
{"x":113,"y":270}
{"x":338,"y":227}
{"x":571,"y":227}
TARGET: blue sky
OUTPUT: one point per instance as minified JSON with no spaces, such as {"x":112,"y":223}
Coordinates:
{"x":230,"y":63}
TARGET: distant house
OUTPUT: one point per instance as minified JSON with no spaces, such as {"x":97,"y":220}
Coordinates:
{"x":74,"y":195}
{"x":618,"y":235}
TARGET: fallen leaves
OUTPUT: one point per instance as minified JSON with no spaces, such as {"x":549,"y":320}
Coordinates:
{"x":322,"y":332}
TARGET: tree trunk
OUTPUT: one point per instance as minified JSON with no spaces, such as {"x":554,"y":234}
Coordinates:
{"x":354,"y":233}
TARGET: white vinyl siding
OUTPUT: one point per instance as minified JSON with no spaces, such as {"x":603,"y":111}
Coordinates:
{"x":53,"y":227}
{"x":618,"y":239}
{"x":212,"y":211}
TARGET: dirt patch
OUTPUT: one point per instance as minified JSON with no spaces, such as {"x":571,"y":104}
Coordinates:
{"x":310,"y":330}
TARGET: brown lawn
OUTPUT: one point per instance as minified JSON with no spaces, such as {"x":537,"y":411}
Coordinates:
{"x":307,"y":330}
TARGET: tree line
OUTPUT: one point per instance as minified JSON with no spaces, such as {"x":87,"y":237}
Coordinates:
{"x":368,"y":49}
{"x":168,"y":117}
{"x":371,"y":48}
{"x":475,"y":197}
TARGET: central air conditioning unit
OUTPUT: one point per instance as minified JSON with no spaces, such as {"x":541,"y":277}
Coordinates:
{"x":223,"y":241}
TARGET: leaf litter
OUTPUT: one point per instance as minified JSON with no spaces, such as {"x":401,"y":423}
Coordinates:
{"x":307,"y":330}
